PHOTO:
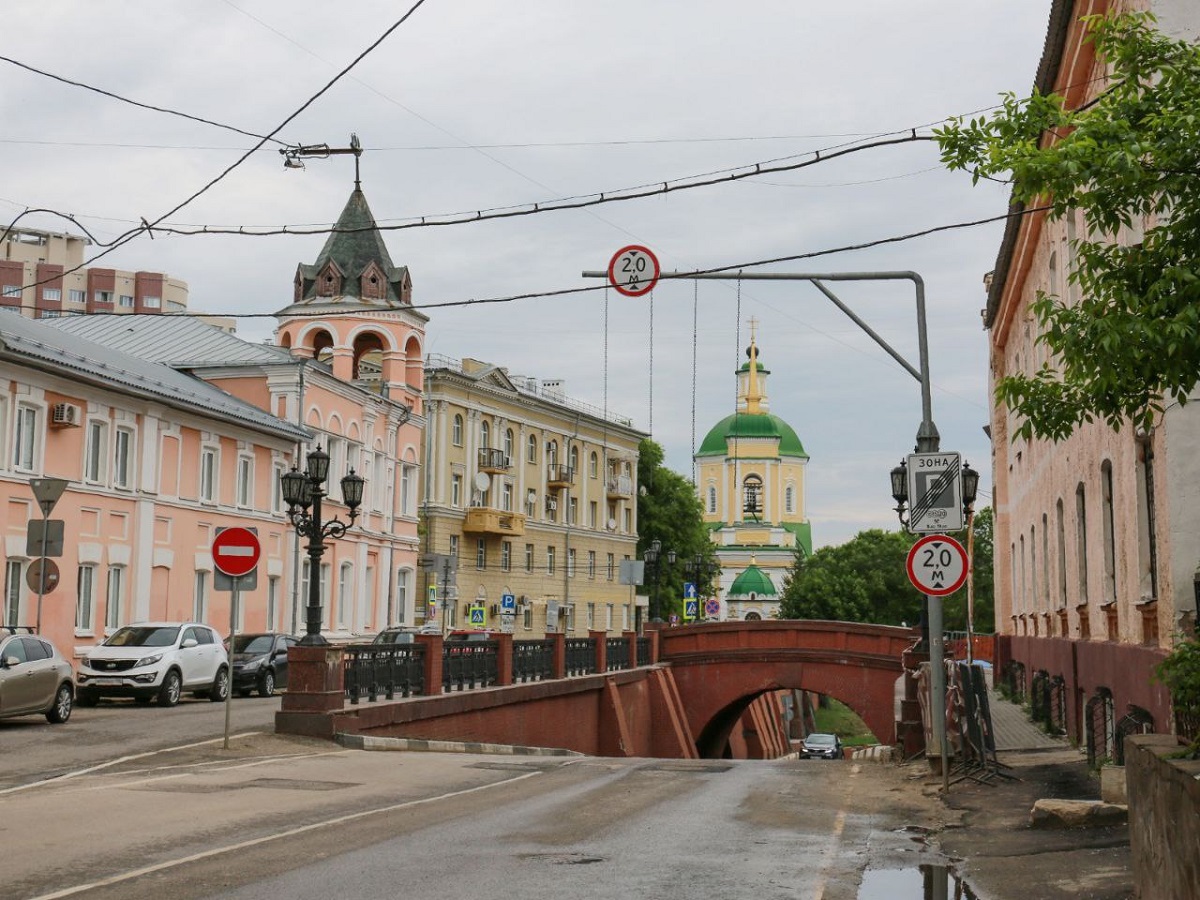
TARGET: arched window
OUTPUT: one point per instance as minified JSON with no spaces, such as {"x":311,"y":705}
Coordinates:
{"x":552,"y":453}
{"x":752,"y":497}
{"x":574,"y":459}
{"x":593,"y":465}
{"x":531,"y":449}
{"x":485,"y":435}
{"x":508,"y":443}
{"x":789,"y":499}
{"x":1110,"y":550}
{"x":456,"y":431}
{"x":712,"y":499}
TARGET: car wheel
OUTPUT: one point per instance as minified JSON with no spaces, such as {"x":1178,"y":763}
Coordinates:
{"x":220,"y":687}
{"x":172,"y":687}
{"x":86,"y":698}
{"x":266,"y":684}
{"x":61,"y":710}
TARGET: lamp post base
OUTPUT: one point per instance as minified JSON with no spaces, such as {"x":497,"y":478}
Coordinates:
{"x":313,"y":640}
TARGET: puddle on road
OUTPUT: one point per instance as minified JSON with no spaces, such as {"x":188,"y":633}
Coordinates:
{"x":922,"y":883}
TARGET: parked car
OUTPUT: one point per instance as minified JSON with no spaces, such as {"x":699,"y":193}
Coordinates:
{"x":464,"y":635}
{"x":398,"y":635}
{"x":821,"y":746}
{"x":35,"y":679}
{"x":155,"y":660}
{"x":260,"y":662}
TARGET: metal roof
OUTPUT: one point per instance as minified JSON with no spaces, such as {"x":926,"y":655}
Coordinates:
{"x":178,"y":341}
{"x":36,"y":342}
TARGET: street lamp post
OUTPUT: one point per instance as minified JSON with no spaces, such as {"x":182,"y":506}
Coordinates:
{"x":699,"y":571}
{"x":653,"y":558}
{"x":303,"y":491}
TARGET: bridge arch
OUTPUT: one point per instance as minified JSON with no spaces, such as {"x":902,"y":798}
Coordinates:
{"x":721,"y":668}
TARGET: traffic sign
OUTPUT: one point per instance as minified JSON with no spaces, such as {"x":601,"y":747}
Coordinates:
{"x":478,"y":614}
{"x":691,"y":609}
{"x":712,"y":607}
{"x":937,"y":565}
{"x":235,"y":551}
{"x":934,"y":492}
{"x":633,"y":270}
{"x":689,"y":590}
{"x":508,"y":604}
{"x":44,"y":537}
{"x":47,"y":491}
{"x":35,"y":579}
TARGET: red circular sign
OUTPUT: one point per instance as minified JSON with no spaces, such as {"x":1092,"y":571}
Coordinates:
{"x":937,"y":565}
{"x":633,"y":270}
{"x":235,"y":551}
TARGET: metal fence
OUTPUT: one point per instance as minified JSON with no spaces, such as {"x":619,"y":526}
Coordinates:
{"x":643,"y":651}
{"x":533,"y":660}
{"x":469,"y":664}
{"x":581,"y":656}
{"x":616,"y":653}
{"x":383,"y":672}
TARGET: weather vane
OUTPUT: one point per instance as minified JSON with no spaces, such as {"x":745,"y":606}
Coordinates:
{"x":293,"y":157}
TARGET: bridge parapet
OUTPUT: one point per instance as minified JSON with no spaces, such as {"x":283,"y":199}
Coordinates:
{"x":722,"y":638}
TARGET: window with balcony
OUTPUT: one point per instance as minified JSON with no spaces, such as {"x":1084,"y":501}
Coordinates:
{"x":485,"y":435}
{"x":508,"y":443}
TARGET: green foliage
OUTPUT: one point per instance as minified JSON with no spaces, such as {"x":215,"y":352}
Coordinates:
{"x":865,"y":580}
{"x":1180,"y":672}
{"x":669,"y":511}
{"x":835,"y":717}
{"x":1133,"y":341}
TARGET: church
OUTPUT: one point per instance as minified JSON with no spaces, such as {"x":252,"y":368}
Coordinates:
{"x":750,"y":478}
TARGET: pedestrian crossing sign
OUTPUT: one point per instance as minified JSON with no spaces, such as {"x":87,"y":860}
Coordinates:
{"x":691,"y":609}
{"x":478,"y":614}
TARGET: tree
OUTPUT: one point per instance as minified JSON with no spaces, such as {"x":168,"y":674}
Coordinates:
{"x":1130,"y":156}
{"x":984,"y":581}
{"x":669,"y":511}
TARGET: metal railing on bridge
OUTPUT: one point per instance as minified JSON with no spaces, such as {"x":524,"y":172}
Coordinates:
{"x":533,"y":660}
{"x":469,"y":664}
{"x":581,"y":656}
{"x":375,"y":671}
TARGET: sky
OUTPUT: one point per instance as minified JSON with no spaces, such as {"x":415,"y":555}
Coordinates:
{"x":471,"y":105}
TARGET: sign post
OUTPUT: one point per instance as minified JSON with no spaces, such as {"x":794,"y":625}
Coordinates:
{"x":235,"y":552}
{"x":47,"y":491}
{"x":691,"y":603}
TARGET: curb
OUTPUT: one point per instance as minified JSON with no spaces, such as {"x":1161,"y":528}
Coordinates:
{"x":417,"y":745}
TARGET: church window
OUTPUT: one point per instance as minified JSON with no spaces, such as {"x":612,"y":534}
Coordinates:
{"x":752,"y":497}
{"x":712,"y":499}
{"x":789,"y":499}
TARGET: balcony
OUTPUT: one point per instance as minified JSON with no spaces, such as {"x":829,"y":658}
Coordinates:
{"x":619,"y":486}
{"x":494,"y":462}
{"x":484,"y":520}
{"x":559,"y":476}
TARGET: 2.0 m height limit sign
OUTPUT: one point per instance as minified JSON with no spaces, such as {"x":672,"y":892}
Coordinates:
{"x":937,"y":565}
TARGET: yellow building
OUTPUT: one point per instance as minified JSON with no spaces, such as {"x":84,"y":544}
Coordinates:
{"x":533,"y":495}
{"x":750,"y":477}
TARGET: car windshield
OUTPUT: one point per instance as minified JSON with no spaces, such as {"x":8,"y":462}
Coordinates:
{"x":253,"y":643}
{"x":820,"y":740}
{"x":144,"y":636}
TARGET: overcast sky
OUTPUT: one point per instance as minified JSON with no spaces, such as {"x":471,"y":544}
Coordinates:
{"x":474,"y":105}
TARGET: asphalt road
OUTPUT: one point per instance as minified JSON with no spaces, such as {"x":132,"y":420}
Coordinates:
{"x":278,"y":816}
{"x":31,"y":749}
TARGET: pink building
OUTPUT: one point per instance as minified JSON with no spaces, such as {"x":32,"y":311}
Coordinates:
{"x":1097,"y":537}
{"x":168,"y":428}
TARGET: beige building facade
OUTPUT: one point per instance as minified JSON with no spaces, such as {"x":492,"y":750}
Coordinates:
{"x":36,"y":278}
{"x":533,"y":494}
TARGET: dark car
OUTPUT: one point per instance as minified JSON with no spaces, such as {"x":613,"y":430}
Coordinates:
{"x":821,"y":746}
{"x":260,"y":662}
{"x":396,"y":636}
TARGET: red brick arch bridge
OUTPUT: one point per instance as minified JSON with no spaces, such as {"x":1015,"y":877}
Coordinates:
{"x":684,"y":701}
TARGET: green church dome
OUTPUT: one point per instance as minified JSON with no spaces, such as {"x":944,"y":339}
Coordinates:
{"x":752,"y":581}
{"x":751,"y":425}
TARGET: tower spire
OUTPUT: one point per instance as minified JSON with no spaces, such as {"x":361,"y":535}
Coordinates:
{"x":753,"y":393}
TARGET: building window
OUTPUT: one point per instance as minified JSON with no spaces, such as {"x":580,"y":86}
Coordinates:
{"x":531,"y":449}
{"x":13,"y":579}
{"x":593,"y":465}
{"x":115,"y":602}
{"x":712,"y":499}
{"x":789,"y":499}
{"x":454,"y":545}
{"x":25,"y":438}
{"x":608,"y":617}
{"x":1062,"y":554}
{"x":552,"y":453}
{"x":611,"y":566}
{"x":593,"y":513}
{"x":345,"y":594}
{"x":104,"y":297}
{"x":85,"y":596}
{"x":506,"y":496}
{"x":200,"y":598}
{"x":1110,"y":549}
{"x":401,"y":611}
{"x":572,"y":511}
{"x":245,"y":480}
{"x":97,"y":441}
{"x":1081,"y":541}
{"x":549,"y":560}
{"x":1046,"y":561}
{"x":1147,"y":532}
{"x":75,"y":296}
{"x":456,"y":485}
{"x":529,"y":557}
{"x":54,"y":294}
{"x":506,"y":556}
{"x":151,"y":302}
{"x":11,"y":290}
{"x":571,"y":563}
{"x":591,"y":617}
{"x":591,"y":564}
{"x":527,"y":618}
{"x":406,"y":499}
{"x":573,"y":459}
{"x":752,"y":497}
{"x":481,"y":553}
{"x":485,"y":435}
{"x":277,"y":488}
{"x":508,"y":446}
{"x":456,"y":431}
{"x":208,"y":474}
{"x":126,"y":301}
{"x":121,"y":458}
{"x":628,"y":517}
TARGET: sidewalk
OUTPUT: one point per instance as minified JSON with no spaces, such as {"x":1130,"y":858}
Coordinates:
{"x":1015,"y":731}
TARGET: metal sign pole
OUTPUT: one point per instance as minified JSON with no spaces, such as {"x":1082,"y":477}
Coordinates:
{"x":42,"y":569}
{"x":233,"y":608}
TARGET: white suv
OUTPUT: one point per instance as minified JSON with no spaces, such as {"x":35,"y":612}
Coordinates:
{"x":155,"y":660}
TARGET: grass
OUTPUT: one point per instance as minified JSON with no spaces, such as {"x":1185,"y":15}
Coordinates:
{"x":837,"y":718}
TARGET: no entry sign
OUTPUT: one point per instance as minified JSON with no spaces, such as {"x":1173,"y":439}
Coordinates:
{"x":235,"y":551}
{"x":633,"y":270}
{"x":937,"y":565}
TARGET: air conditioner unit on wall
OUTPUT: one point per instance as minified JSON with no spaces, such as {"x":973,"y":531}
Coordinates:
{"x":65,"y":414}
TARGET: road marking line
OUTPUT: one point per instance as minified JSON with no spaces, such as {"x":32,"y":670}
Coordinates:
{"x":207,"y":854}
{"x":113,"y":762}
{"x":839,"y":825}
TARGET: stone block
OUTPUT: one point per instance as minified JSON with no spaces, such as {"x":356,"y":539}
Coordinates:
{"x":1048,"y":813}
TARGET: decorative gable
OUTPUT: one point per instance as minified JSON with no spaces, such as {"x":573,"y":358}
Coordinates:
{"x":373,"y":283}
{"x":329,"y":280}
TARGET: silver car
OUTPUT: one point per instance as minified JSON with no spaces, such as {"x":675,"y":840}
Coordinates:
{"x":35,"y":679}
